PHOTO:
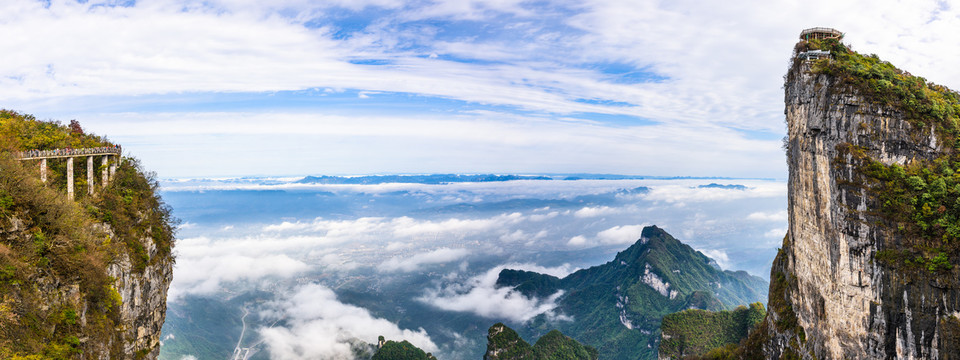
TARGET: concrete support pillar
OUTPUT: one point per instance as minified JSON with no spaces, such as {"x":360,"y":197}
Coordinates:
{"x":90,"y":175}
{"x":70,"y":178}
{"x":43,"y":170}
{"x":113,"y":168}
{"x":103,"y":177}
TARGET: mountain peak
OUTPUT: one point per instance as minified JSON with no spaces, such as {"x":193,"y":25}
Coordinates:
{"x":652,"y":231}
{"x":623,"y":301}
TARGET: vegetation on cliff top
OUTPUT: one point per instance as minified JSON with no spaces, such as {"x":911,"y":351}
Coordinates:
{"x":392,"y":350}
{"x":923,"y":103}
{"x":695,"y":332}
{"x":504,"y":344}
{"x":56,"y":299}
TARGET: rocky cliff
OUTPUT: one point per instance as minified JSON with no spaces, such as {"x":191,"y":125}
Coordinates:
{"x":866,"y":270}
{"x":82,"y":278}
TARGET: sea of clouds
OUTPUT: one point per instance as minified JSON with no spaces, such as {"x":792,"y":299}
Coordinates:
{"x":425,"y":232}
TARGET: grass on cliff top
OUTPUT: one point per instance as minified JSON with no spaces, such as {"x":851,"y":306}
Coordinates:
{"x":56,"y":299}
{"x":922,"y":102}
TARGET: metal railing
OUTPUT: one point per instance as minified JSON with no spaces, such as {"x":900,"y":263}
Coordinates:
{"x":68,"y":152}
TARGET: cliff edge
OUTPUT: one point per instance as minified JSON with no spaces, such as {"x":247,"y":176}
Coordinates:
{"x":81,"y":278}
{"x":867,"y":267}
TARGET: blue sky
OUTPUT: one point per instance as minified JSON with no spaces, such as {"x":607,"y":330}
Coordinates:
{"x":296,"y":87}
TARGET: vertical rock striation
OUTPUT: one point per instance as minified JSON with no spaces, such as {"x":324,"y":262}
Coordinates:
{"x":144,"y":305}
{"x":830,"y":298}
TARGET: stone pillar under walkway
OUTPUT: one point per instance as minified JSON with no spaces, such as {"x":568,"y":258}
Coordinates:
{"x":103,"y":165}
{"x":43,"y":170}
{"x":70,"y":178}
{"x":90,"y":175}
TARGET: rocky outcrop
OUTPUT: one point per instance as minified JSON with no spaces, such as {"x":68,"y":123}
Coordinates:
{"x":504,"y":344}
{"x":144,"y":304}
{"x":830,"y":298}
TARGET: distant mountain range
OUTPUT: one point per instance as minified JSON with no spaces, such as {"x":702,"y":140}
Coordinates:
{"x":415,"y":179}
{"x":461,"y":178}
{"x":617,"y":307}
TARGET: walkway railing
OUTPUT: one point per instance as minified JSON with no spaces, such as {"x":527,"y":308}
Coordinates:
{"x":68,"y":152}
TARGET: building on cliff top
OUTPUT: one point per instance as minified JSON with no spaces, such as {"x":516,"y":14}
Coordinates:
{"x":818,"y":33}
{"x":814,"y":55}
{"x":821,"y":33}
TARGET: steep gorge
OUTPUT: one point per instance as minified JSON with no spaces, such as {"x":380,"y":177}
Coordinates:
{"x":865,"y":269}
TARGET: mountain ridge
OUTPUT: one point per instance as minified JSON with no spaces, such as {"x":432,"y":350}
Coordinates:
{"x":617,"y":307}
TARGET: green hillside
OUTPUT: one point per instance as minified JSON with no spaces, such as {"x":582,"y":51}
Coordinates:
{"x":57,"y":300}
{"x":695,"y":332}
{"x":503,"y":343}
{"x":404,"y":350}
{"x":617,"y":307}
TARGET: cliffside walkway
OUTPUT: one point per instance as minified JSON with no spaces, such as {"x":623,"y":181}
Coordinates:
{"x":111,"y":158}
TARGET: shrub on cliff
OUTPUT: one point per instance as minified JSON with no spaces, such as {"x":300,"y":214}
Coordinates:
{"x":56,"y":298}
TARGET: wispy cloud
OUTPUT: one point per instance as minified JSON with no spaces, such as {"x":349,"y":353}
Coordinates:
{"x":594,"y":211}
{"x":616,"y":235}
{"x":415,"y":262}
{"x":481,"y":296}
{"x":321,"y":327}
{"x":207,"y":274}
{"x":718,"y":255}
{"x":768,"y":216}
{"x":684,"y":193}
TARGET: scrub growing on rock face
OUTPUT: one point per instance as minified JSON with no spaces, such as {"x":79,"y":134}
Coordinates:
{"x":846,"y":283}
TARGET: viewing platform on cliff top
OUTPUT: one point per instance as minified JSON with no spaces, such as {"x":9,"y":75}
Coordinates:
{"x":111,"y":158}
{"x":820,"y":33}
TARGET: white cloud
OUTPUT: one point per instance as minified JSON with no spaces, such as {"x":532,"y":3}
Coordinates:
{"x":616,"y":235}
{"x":481,"y":296}
{"x":768,"y":216}
{"x":577,"y":240}
{"x":689,"y":194}
{"x":521,"y":235}
{"x":206,"y":274}
{"x":414,"y":263}
{"x":718,"y":255}
{"x":778,"y":233}
{"x":321,"y":327}
{"x":627,"y":234}
{"x":596,"y":211}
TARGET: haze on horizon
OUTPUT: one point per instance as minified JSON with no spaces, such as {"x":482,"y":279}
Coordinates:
{"x":294,"y":87}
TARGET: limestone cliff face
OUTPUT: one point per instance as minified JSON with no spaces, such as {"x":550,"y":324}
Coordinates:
{"x":135,"y":331}
{"x":144,"y":305}
{"x":830,"y":298}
